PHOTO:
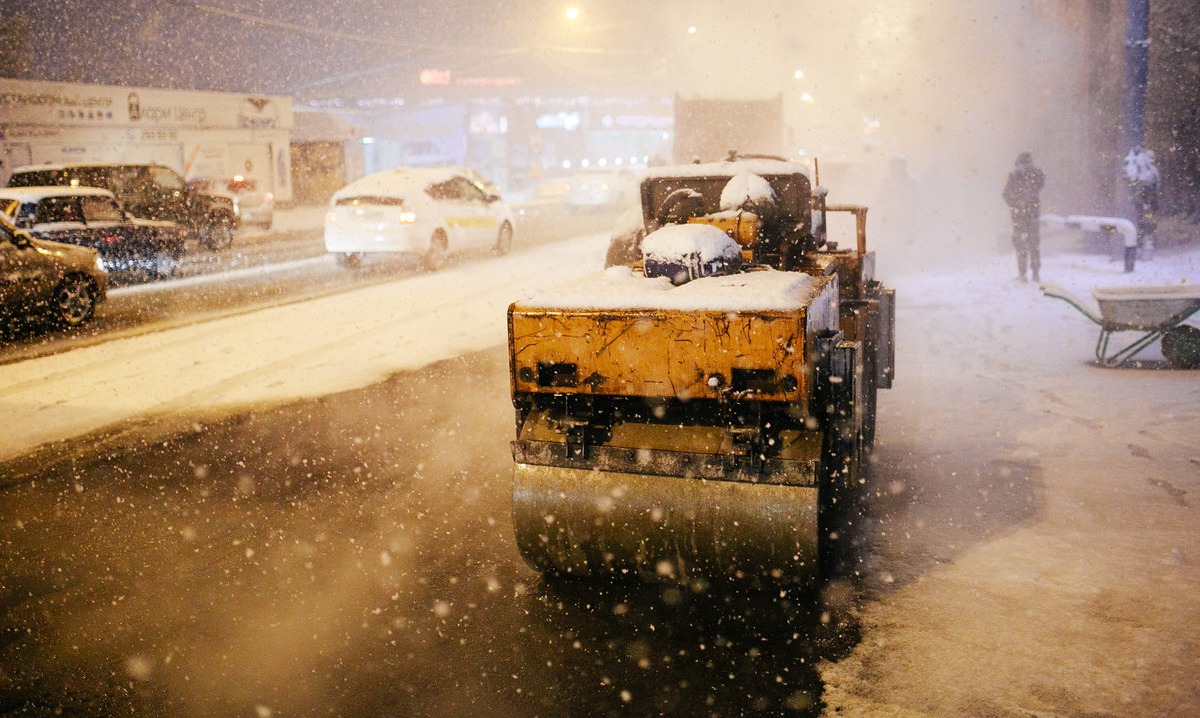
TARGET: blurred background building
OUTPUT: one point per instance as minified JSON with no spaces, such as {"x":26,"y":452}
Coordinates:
{"x":538,"y":89}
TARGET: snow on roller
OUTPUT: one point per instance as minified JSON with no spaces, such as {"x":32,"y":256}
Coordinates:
{"x":699,"y":410}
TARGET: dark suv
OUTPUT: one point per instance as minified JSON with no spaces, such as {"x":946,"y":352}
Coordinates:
{"x":149,"y":191}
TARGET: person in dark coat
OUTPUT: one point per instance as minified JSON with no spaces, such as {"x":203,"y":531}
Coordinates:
{"x":1022,"y":193}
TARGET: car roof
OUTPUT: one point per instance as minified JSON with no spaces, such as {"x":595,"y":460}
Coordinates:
{"x":63,"y":166}
{"x":36,"y":194}
{"x":396,"y":182}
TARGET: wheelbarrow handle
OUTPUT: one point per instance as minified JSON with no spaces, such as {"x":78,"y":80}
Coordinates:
{"x":1057,"y":291}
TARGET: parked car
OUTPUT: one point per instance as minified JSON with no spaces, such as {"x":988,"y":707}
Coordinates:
{"x":39,"y":277}
{"x":601,"y":188}
{"x":252,"y":204}
{"x":150,"y":191}
{"x":92,"y":217}
{"x":552,"y":188}
{"x":424,"y":212}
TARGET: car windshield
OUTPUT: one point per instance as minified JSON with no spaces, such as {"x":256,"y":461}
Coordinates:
{"x":37,"y":178}
{"x":789,"y":191}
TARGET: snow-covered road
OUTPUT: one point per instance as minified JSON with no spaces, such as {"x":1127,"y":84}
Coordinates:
{"x":278,"y":354}
{"x":1082,"y":603}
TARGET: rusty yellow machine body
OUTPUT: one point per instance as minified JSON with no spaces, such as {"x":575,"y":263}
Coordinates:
{"x":707,"y":430}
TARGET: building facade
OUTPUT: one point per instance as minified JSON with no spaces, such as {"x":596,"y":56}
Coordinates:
{"x":198,"y":134}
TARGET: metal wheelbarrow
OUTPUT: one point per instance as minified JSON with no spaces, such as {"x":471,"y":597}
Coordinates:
{"x":1157,"y":312}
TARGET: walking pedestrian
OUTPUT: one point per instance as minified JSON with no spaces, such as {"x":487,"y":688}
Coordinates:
{"x":1022,"y":193}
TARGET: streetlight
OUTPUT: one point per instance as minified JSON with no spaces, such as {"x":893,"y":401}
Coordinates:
{"x":571,"y":13}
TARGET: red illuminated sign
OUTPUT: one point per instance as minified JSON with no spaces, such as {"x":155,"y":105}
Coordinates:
{"x":431,"y":76}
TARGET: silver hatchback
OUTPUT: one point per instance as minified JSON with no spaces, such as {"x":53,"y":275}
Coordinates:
{"x":39,"y":278}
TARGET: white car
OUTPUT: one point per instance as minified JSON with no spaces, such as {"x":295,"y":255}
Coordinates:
{"x":253,"y":206}
{"x":423,"y":212}
{"x":601,"y":187}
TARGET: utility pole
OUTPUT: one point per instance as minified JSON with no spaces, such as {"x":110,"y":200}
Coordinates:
{"x":1137,"y":68}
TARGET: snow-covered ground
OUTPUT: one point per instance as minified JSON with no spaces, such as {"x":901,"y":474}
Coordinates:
{"x":1088,"y":607}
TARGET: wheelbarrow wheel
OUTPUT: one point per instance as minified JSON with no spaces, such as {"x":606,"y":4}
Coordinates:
{"x":1181,"y":347}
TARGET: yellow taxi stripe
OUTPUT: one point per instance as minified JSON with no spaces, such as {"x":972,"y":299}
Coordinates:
{"x":471,"y":222}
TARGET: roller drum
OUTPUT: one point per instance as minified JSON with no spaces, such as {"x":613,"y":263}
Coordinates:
{"x":589,"y":523}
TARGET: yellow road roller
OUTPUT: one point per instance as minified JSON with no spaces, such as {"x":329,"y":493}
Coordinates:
{"x":698,"y":411}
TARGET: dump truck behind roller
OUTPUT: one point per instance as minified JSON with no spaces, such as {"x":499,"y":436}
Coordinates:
{"x":701,"y":412}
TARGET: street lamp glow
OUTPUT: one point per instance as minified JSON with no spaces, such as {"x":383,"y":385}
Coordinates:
{"x":692,"y":30}
{"x":571,"y":13}
{"x":806,"y":97}
{"x":798,"y":74}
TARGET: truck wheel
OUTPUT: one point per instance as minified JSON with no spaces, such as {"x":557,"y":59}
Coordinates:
{"x":439,"y":248}
{"x":217,"y":235}
{"x":74,"y":300}
{"x":503,"y":240}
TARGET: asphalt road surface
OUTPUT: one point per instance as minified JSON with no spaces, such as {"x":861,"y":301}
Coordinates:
{"x":354,"y":556}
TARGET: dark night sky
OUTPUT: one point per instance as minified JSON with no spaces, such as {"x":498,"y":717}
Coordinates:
{"x":311,"y":49}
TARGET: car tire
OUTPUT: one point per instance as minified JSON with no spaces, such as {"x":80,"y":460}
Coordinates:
{"x":439,"y":249}
{"x":74,"y":300}
{"x":350,"y":260}
{"x":503,"y":240}
{"x":218,"y":235}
